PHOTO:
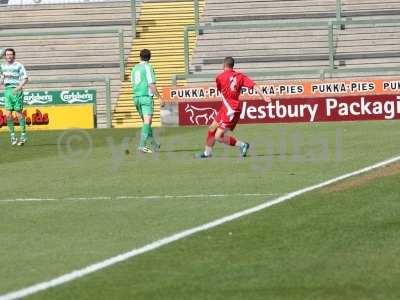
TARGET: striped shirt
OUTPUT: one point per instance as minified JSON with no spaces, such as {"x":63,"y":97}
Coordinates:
{"x":12,"y":74}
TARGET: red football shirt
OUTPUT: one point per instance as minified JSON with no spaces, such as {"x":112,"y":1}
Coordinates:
{"x":230,"y":83}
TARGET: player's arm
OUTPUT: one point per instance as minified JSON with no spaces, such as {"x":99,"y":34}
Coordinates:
{"x":154,"y":90}
{"x":266,"y":98}
{"x":247,"y":82}
{"x":24,"y":76}
{"x":1,"y":76}
{"x":21,"y":85}
{"x":132,"y":77}
{"x":218,"y":84}
{"x":151,"y":79}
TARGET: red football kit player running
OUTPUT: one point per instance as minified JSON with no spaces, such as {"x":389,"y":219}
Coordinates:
{"x":229,"y":83}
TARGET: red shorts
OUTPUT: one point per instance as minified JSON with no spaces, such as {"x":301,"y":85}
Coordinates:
{"x":227,"y":122}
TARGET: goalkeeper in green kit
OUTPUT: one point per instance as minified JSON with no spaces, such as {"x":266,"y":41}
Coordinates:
{"x":144,"y":88}
{"x":14,"y":77}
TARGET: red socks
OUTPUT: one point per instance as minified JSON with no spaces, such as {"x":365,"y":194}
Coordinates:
{"x":229,"y":140}
{"x":210,"y":140}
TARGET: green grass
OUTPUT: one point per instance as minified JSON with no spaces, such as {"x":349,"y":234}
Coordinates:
{"x":318,"y":246}
{"x":41,"y":240}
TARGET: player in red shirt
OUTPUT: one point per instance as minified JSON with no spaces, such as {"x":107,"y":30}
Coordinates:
{"x":229,"y":83}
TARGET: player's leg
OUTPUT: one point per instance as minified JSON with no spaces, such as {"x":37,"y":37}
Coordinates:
{"x":139,"y":105}
{"x":22,"y":123}
{"x":210,"y":141}
{"x":11,"y":128}
{"x":18,"y":107}
{"x":155,"y":145}
{"x":144,"y":133}
{"x":9,"y":107}
{"x":147,"y":113}
{"x":229,"y":138}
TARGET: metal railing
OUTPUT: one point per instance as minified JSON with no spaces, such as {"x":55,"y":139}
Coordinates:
{"x":117,"y":31}
{"x":339,"y":25}
{"x":133,"y":18}
{"x":107,"y":86}
{"x":197,"y":13}
{"x":339,"y":11}
{"x":320,"y":72}
{"x":331,"y":25}
{"x":211,"y":76}
{"x":262,"y":24}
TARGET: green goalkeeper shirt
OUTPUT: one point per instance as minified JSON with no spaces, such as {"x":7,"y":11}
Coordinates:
{"x":142,"y":76}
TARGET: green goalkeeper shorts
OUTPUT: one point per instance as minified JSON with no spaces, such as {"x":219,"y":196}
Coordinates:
{"x":144,"y":105}
{"x":13,"y":102}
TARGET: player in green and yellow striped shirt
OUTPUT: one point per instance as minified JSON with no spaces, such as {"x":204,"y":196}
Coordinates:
{"x":14,"y":77}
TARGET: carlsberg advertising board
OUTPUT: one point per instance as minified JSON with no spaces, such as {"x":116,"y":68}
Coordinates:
{"x":56,"y":97}
{"x":62,"y":109}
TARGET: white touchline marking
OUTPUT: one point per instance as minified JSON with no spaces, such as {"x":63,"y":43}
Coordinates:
{"x":134,"y":197}
{"x":180,"y":235}
{"x":27,"y":200}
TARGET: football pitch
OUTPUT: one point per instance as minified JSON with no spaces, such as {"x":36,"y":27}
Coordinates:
{"x":71,"y":199}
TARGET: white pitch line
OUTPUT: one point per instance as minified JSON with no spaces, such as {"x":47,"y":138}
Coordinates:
{"x":134,"y":197}
{"x":28,"y":200}
{"x":195,"y":196}
{"x":180,"y":235}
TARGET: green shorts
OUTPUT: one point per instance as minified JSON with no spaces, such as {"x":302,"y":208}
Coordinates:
{"x":13,"y":102}
{"x":144,"y":105}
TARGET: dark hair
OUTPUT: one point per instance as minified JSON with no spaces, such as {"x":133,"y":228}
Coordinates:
{"x":229,"y":62}
{"x":145,"y":54}
{"x":9,"y":49}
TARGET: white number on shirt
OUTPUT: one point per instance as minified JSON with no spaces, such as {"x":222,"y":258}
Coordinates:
{"x":137,"y":77}
{"x":232,"y":82}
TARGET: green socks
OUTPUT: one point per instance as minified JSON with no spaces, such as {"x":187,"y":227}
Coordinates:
{"x":11,"y":128}
{"x":145,"y":133}
{"x":22,"y":123}
{"x":10,"y":124}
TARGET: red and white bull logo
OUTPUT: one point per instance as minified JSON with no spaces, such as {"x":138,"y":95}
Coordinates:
{"x":200,"y":115}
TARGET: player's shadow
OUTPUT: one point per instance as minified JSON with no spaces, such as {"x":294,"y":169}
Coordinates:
{"x":179,"y":150}
{"x":268,"y":154}
{"x":44,"y":145}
